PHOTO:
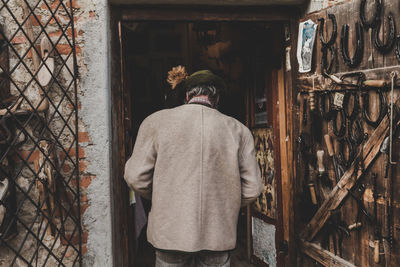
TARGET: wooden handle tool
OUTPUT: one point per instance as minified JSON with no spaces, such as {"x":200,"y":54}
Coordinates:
{"x":376,"y":251}
{"x":311,"y":186}
{"x":320,"y":160}
{"x":331,"y":153}
{"x":329,"y":145}
{"x":375,"y":83}
{"x":354,"y":226}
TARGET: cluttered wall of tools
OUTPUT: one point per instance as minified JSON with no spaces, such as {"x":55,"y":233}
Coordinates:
{"x":350,"y":96}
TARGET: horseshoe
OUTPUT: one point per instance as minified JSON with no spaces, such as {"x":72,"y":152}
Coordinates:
{"x":397,"y":48}
{"x":325,"y":68}
{"x":375,"y":20}
{"x":356,"y":109}
{"x":382,"y":109}
{"x":342,"y":131}
{"x":344,"y":46}
{"x":351,"y":116}
{"x":327,"y":115}
{"x":332,"y":39}
{"x":379,"y":45}
{"x":356,"y":132}
{"x":341,"y":157}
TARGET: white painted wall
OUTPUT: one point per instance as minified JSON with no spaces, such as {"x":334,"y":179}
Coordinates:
{"x":96,"y":115}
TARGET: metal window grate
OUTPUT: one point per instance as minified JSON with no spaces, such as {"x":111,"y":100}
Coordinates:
{"x":40,"y":222}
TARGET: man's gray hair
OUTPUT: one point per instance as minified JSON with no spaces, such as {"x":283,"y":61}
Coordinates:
{"x":209,"y":90}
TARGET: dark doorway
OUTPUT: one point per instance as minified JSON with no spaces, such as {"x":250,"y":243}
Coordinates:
{"x":245,"y":54}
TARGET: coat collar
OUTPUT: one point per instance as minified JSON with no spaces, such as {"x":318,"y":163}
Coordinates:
{"x":202,"y":100}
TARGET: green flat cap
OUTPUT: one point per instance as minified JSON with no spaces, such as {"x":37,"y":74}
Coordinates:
{"x":204,"y":77}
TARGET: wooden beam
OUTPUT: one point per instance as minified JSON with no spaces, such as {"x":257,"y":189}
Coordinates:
{"x":208,"y":14}
{"x":323,"y":256}
{"x":340,"y":191}
{"x":283,"y":137}
{"x":305,"y":82}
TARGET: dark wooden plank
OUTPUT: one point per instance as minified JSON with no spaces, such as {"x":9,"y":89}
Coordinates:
{"x":323,"y":256}
{"x":122,"y":253}
{"x":291,"y":127}
{"x":357,"y":248}
{"x":209,"y":13}
{"x":371,"y":149}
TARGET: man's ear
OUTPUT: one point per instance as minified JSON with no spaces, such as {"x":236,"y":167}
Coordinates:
{"x":187,"y":97}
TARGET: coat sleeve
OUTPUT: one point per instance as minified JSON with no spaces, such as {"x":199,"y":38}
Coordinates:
{"x":140,"y":166}
{"x":249,"y":171}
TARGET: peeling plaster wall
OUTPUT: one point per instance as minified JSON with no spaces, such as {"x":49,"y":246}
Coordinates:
{"x":95,"y":114}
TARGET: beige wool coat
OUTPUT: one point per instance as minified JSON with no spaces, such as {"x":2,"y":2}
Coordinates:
{"x":198,"y":167}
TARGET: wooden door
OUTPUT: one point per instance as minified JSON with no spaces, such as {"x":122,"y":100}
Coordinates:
{"x":369,"y":243}
{"x":267,"y":121}
{"x":121,"y":244}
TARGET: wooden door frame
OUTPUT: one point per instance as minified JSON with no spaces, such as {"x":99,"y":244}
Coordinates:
{"x":122,"y":250}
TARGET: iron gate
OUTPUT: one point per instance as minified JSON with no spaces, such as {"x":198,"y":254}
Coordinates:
{"x":40,"y":220}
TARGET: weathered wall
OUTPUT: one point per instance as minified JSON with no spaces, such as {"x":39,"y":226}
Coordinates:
{"x":315,"y":5}
{"x":95,"y":98}
{"x":92,"y":41}
{"x":358,"y":248}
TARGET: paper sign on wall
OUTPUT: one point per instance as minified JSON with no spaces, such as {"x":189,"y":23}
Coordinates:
{"x":305,"y":45}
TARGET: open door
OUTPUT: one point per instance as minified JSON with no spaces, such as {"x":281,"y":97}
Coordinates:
{"x":266,"y":116}
{"x":252,"y":60}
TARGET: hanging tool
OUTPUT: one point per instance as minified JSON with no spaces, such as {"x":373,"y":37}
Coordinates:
{"x":356,"y":105}
{"x":342,"y":130}
{"x":388,"y":229}
{"x":305,"y":118}
{"x":382,"y":108}
{"x":375,"y":19}
{"x":344,"y":46}
{"x":326,"y":68}
{"x":333,"y":36}
{"x":357,"y":194}
{"x":326,"y":113}
{"x":338,"y":229}
{"x":324,"y":182}
{"x":393,"y":114}
{"x":345,"y":142}
{"x":385,"y":48}
{"x":315,"y":119}
{"x":322,"y":174}
{"x":377,"y":233}
{"x":356,"y":132}
{"x":313,"y":195}
{"x":375,"y":83}
{"x":354,"y":226}
{"x":304,"y":147}
{"x":397,"y":48}
{"x":337,"y":169}
{"x":327,"y":46}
